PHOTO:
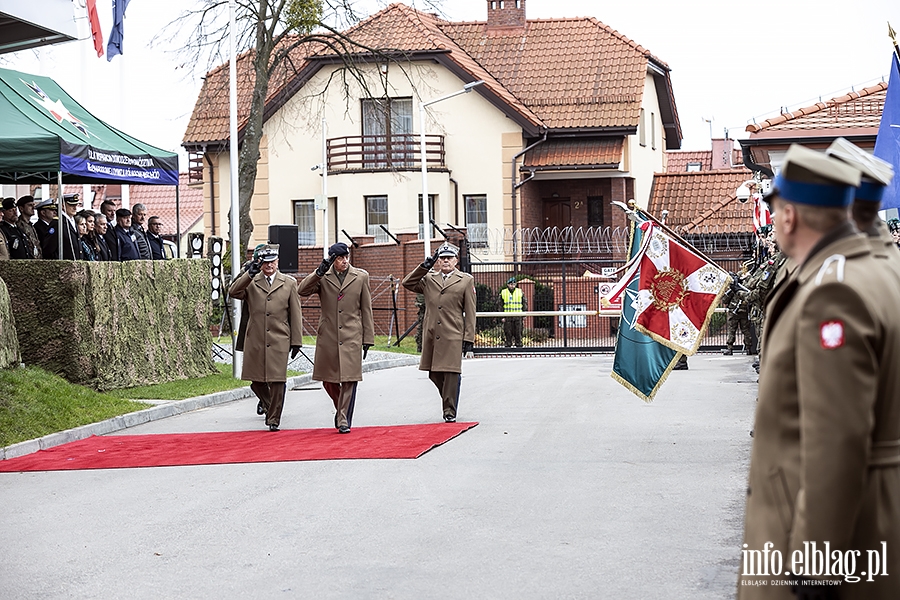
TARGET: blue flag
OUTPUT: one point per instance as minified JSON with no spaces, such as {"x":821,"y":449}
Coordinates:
{"x":115,"y":36}
{"x":641,"y":364}
{"x":887,"y":144}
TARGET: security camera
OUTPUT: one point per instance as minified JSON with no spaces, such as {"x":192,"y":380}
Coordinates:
{"x":744,"y":192}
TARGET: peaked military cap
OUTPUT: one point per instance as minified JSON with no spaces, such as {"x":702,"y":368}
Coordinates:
{"x":812,"y":178}
{"x":268,"y":253}
{"x":876,"y":173}
{"x":447,"y":249}
{"x":70,"y":198}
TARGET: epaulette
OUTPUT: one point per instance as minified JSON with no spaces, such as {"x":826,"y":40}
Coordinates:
{"x":838,"y":260}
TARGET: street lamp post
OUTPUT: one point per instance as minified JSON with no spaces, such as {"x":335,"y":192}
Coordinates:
{"x":426,"y":209}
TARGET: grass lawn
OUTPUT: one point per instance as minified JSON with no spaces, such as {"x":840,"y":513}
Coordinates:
{"x":34,"y":403}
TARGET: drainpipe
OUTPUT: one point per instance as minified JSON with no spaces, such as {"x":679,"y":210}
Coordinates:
{"x":212,"y":194}
{"x":455,"y":200}
{"x":748,"y":162}
{"x":514,"y":188}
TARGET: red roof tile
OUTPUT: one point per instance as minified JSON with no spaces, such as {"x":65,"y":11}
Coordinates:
{"x":605,"y":152}
{"x":160,"y":202}
{"x":554,"y":73}
{"x":860,"y":109}
{"x":677,"y":161}
{"x":702,"y":202}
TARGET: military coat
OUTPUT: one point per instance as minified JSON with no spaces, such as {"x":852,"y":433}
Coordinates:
{"x":825,"y":464}
{"x":345,"y":325}
{"x":449,"y":317}
{"x":274,"y":324}
{"x":29,"y":231}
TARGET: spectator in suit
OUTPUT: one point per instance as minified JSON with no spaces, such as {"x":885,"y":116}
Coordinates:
{"x":101,"y":245}
{"x":155,"y":240}
{"x":108,"y":208}
{"x":122,"y":238}
{"x":138,"y":216}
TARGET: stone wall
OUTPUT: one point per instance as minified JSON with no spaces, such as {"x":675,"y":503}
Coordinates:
{"x":9,"y":345}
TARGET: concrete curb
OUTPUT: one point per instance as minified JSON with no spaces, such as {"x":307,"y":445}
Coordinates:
{"x":170,"y":409}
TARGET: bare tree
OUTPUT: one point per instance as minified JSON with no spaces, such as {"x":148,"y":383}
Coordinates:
{"x":275,"y":33}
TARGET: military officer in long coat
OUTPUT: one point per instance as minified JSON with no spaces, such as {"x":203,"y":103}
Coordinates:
{"x":825,"y":464}
{"x":449,"y":329}
{"x":346,"y":329}
{"x":274,"y":327}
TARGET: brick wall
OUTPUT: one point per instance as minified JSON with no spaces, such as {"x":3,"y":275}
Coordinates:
{"x":387,"y":265}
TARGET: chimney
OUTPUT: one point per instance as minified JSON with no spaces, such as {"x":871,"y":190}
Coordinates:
{"x":722,"y":150}
{"x":506,"y":14}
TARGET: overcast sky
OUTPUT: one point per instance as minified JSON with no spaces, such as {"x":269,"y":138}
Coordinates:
{"x":731,"y":62}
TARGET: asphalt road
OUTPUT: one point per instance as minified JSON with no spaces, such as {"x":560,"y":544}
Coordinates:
{"x":570,"y":487}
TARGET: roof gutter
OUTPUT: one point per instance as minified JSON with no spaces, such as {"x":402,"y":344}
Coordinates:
{"x":515,"y":186}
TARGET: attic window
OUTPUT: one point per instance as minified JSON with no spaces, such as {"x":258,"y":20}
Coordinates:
{"x":693,"y":167}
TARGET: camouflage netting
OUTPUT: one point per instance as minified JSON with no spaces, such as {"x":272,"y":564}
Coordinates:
{"x":9,"y":345}
{"x":112,"y":325}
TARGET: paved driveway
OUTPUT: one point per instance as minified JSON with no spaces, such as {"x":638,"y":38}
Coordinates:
{"x":570,"y":487}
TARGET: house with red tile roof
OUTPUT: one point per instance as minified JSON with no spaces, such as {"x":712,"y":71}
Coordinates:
{"x":855,"y":116}
{"x":571,"y":115}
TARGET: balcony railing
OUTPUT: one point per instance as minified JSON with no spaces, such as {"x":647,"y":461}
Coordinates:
{"x":383,"y":153}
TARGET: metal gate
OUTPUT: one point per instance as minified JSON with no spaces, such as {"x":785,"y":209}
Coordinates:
{"x":569,"y":288}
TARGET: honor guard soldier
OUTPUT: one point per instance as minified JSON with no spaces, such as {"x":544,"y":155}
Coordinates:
{"x":449,"y":330}
{"x":346,"y":329}
{"x":825,"y":464}
{"x":274,"y":328}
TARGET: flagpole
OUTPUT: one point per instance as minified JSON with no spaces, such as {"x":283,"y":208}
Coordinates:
{"x":233,"y":187}
{"x":893,"y":35}
{"x":673,"y":234}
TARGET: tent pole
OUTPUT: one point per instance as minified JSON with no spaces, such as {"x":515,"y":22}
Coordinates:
{"x":178,"y":219}
{"x":59,"y":214}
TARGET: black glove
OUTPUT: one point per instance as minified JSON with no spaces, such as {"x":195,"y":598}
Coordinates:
{"x":468,"y":347}
{"x":254,"y":268}
{"x":366,"y":350}
{"x":326,"y":264}
{"x":806,"y":590}
{"x":429,"y":262}
{"x":295,"y":350}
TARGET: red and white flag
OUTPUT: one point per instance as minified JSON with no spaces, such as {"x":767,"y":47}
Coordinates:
{"x":678,"y":292}
{"x":761,"y":214}
{"x":94,"y":20}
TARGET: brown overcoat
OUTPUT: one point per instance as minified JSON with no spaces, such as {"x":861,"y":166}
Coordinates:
{"x":825,"y":465}
{"x":345,"y":325}
{"x":274,"y":324}
{"x":449,"y":317}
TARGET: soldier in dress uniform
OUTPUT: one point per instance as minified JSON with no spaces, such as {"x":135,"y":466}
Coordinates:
{"x":449,"y":330}
{"x":825,"y":464}
{"x":65,"y":223}
{"x":274,"y":327}
{"x":346,"y":329}
{"x":26,"y":206}
{"x":16,"y":242}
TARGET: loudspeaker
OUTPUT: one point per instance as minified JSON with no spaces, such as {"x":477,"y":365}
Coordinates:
{"x":216,"y":245}
{"x":287,"y":239}
{"x":195,"y":245}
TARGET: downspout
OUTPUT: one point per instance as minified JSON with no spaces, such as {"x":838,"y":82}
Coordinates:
{"x":748,"y":162}
{"x":455,"y":200}
{"x":212,"y":194}
{"x":514,"y":188}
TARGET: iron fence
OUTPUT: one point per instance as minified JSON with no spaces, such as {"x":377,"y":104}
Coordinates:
{"x":569,"y":287}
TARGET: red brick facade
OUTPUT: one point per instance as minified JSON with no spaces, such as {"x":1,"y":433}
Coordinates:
{"x":505,"y":13}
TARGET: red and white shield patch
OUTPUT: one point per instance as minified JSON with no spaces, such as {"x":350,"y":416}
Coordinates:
{"x":831,"y":334}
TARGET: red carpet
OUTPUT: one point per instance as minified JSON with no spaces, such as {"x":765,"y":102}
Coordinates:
{"x":227,"y":447}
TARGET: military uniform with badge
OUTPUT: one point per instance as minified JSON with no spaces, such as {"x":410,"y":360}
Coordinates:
{"x":346,"y":329}
{"x":274,"y":327}
{"x":449,"y":328}
{"x":64,"y":225}
{"x":825,"y":463}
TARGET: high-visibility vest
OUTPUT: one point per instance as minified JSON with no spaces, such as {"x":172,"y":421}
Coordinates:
{"x":512,"y":301}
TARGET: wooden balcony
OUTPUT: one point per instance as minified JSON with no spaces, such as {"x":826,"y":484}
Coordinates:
{"x":382,"y":153}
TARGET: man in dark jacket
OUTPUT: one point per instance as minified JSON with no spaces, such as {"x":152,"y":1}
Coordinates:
{"x":121,"y":240}
{"x":16,"y":241}
{"x":71,"y":247}
{"x":155,"y":240}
